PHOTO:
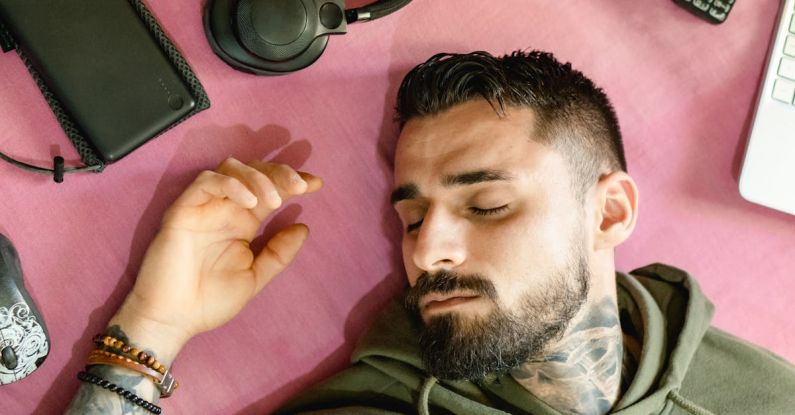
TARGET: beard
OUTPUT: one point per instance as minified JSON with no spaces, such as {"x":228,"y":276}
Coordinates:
{"x":456,"y":347}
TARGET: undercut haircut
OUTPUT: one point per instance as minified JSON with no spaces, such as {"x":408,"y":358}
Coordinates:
{"x":573,"y":115}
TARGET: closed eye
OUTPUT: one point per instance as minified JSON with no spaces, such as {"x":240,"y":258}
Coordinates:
{"x":413,"y":227}
{"x":477,"y":211}
{"x":487,"y":212}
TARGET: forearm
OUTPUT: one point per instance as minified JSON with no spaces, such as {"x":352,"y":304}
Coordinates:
{"x":135,"y":332}
{"x":197,"y":274}
{"x":93,"y":399}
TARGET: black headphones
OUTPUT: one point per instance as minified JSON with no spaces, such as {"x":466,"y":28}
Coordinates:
{"x":276,"y":37}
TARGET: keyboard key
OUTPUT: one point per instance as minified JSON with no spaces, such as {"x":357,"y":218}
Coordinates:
{"x":792,"y":24}
{"x":702,"y":5}
{"x":784,"y":90}
{"x":717,"y":14}
{"x":789,"y":46}
{"x":787,"y":68}
{"x":722,"y":5}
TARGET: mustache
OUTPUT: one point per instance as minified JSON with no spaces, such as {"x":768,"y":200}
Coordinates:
{"x":444,"y":282}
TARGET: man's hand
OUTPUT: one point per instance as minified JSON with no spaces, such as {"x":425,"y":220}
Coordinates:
{"x":199,"y":271}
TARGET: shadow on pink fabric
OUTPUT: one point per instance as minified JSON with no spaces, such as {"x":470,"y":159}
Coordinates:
{"x":683,"y":90}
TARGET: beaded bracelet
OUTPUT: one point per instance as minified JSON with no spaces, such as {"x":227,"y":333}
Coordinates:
{"x":103,"y":383}
{"x":114,"y":343}
{"x":166,"y":384}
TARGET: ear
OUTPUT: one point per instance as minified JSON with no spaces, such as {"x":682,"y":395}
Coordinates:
{"x":616,"y":209}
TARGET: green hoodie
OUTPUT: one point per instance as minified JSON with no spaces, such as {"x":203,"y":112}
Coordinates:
{"x":685,"y":367}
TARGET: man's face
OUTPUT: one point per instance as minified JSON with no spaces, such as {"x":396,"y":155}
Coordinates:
{"x":495,"y":242}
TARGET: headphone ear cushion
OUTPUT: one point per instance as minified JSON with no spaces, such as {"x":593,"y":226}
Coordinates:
{"x":218,"y":18}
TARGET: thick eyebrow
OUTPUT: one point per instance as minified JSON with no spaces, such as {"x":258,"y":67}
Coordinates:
{"x":410,"y":191}
{"x":473,"y":177}
{"x":405,"y":192}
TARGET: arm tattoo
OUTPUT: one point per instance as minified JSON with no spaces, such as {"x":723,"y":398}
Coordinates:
{"x":581,"y":374}
{"x":92,"y":399}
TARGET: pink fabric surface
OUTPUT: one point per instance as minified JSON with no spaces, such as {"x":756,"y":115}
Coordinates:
{"x":683,"y":90}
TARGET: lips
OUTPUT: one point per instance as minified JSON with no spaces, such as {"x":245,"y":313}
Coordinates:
{"x":437,"y":301}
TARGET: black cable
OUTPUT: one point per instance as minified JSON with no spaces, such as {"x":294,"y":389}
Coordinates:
{"x":96,"y":380}
{"x":57,"y":171}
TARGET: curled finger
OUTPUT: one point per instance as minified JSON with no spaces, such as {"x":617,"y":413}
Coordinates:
{"x":210,"y":185}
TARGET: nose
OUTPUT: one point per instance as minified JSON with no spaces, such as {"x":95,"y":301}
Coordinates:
{"x":440,"y":243}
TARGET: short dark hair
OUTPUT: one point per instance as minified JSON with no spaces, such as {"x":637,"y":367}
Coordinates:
{"x":572,"y":113}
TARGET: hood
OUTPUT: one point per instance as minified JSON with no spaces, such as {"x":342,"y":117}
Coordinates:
{"x":663,"y":305}
{"x":670,"y":313}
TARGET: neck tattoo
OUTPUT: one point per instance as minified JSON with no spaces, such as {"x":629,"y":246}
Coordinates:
{"x":580,"y":373}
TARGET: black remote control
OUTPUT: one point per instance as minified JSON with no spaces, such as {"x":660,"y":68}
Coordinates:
{"x":713,"y":11}
{"x":24,"y":342}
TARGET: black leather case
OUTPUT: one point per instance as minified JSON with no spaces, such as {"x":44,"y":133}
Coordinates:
{"x":110,"y":74}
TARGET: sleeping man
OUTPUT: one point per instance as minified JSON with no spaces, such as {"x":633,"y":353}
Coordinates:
{"x":511,"y":183}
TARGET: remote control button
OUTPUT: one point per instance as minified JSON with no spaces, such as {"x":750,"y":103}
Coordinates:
{"x":787,"y":68}
{"x":784,"y":90}
{"x":8,"y":358}
{"x":789,"y":46}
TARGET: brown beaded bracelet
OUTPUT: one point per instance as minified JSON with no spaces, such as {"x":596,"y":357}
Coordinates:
{"x":118,"y":345}
{"x":107,"y":343}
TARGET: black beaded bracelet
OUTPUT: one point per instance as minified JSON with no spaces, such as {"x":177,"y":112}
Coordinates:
{"x":96,"y":380}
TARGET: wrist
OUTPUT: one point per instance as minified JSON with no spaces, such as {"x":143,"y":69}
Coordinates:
{"x":147,"y":333}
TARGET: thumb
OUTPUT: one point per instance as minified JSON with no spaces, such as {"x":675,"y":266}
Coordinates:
{"x":278,"y":253}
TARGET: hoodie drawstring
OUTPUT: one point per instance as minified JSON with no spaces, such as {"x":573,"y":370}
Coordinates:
{"x":425,"y":392}
{"x":687,"y":404}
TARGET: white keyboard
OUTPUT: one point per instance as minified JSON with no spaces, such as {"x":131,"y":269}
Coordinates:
{"x":768,"y":174}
